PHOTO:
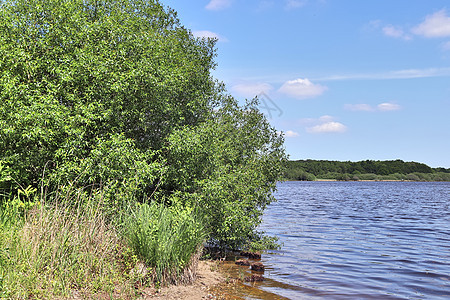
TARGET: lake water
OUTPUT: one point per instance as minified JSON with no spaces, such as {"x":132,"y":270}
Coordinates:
{"x":358,"y":240}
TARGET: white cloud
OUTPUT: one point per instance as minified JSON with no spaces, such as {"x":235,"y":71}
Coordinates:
{"x":395,"y":32}
{"x":329,"y":127}
{"x":315,"y":121}
{"x":324,"y":124}
{"x":435,"y":25}
{"x":359,"y":107}
{"x":388,"y":107}
{"x":209,"y":34}
{"x":290,"y":134}
{"x":397,"y":74}
{"x":302,"y":89}
{"x":218,"y":4}
{"x":367,"y":107}
{"x":293,"y":4}
{"x":251,"y":89}
{"x":392,"y":31}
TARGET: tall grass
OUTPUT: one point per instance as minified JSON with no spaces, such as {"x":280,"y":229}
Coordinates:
{"x":70,"y":245}
{"x":56,"y":250}
{"x":168,"y":239}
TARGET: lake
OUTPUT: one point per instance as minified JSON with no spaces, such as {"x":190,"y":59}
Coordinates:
{"x":358,"y":240}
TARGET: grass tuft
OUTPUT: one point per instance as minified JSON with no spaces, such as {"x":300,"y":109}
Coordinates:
{"x":168,"y":239}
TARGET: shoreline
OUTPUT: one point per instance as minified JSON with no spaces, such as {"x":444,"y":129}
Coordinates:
{"x":208,"y":277}
{"x":365,"y":180}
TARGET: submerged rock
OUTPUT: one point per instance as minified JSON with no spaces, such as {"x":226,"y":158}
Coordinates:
{"x":242,"y":262}
{"x":257,"y":266}
{"x":252,"y":255}
{"x":254,"y":278}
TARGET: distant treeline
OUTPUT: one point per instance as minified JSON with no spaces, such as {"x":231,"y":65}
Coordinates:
{"x":364,"y":170}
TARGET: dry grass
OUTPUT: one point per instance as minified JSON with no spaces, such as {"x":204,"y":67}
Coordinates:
{"x":69,"y":249}
{"x":61,"y":250}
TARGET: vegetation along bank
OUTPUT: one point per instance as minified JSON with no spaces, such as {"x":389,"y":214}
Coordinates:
{"x":120,"y":154}
{"x":311,"y":170}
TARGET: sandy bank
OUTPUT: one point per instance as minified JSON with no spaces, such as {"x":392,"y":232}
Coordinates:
{"x":207,"y":277}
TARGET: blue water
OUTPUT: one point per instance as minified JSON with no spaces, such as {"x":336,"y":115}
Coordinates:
{"x":359,"y":240}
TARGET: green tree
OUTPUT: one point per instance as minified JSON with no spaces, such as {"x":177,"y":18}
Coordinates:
{"x":118,"y":94}
{"x":75,"y":71}
{"x":228,"y":168}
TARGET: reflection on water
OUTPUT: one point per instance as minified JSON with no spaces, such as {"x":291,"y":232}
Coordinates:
{"x":356,"y":240}
{"x":239,"y":289}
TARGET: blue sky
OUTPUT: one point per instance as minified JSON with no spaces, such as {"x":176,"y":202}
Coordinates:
{"x":346,"y":79}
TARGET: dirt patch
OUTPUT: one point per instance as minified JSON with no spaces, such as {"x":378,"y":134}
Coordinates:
{"x":207,"y":277}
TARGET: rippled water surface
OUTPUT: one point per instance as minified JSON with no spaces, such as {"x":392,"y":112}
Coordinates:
{"x":359,"y":240}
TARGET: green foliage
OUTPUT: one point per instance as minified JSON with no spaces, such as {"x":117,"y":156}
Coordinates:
{"x":263,"y":242}
{"x":114,"y":100}
{"x":165,"y":238}
{"x":228,"y":168}
{"x":76,"y":72}
{"x":5,"y":177}
{"x":298,"y":174}
{"x":363,"y":170}
{"x":121,"y":170}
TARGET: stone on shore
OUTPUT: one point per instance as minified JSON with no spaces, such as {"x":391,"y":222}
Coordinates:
{"x":252,"y":255}
{"x":242,"y":262}
{"x":257,"y":266}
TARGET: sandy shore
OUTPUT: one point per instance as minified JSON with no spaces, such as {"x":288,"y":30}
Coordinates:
{"x":207,"y":277}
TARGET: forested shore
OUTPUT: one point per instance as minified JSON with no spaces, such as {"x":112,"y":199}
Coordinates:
{"x":310,"y":170}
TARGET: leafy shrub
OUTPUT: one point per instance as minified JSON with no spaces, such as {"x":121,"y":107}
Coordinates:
{"x":298,"y":174}
{"x":5,"y":175}
{"x":368,"y":176}
{"x":115,"y":166}
{"x":343,"y":177}
{"x":412,"y":177}
{"x":228,"y":168}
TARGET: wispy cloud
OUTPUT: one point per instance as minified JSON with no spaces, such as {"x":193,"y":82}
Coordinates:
{"x":218,"y":4}
{"x":435,"y":25}
{"x":398,"y":74}
{"x":251,"y":89}
{"x":324,"y":124}
{"x":387,"y":106}
{"x":209,"y":34}
{"x":302,"y":89}
{"x":293,"y":4}
{"x":396,"y":32}
{"x":290,"y":134}
{"x":359,"y":107}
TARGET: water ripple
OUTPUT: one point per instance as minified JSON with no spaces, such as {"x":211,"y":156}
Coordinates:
{"x":360,"y":240}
